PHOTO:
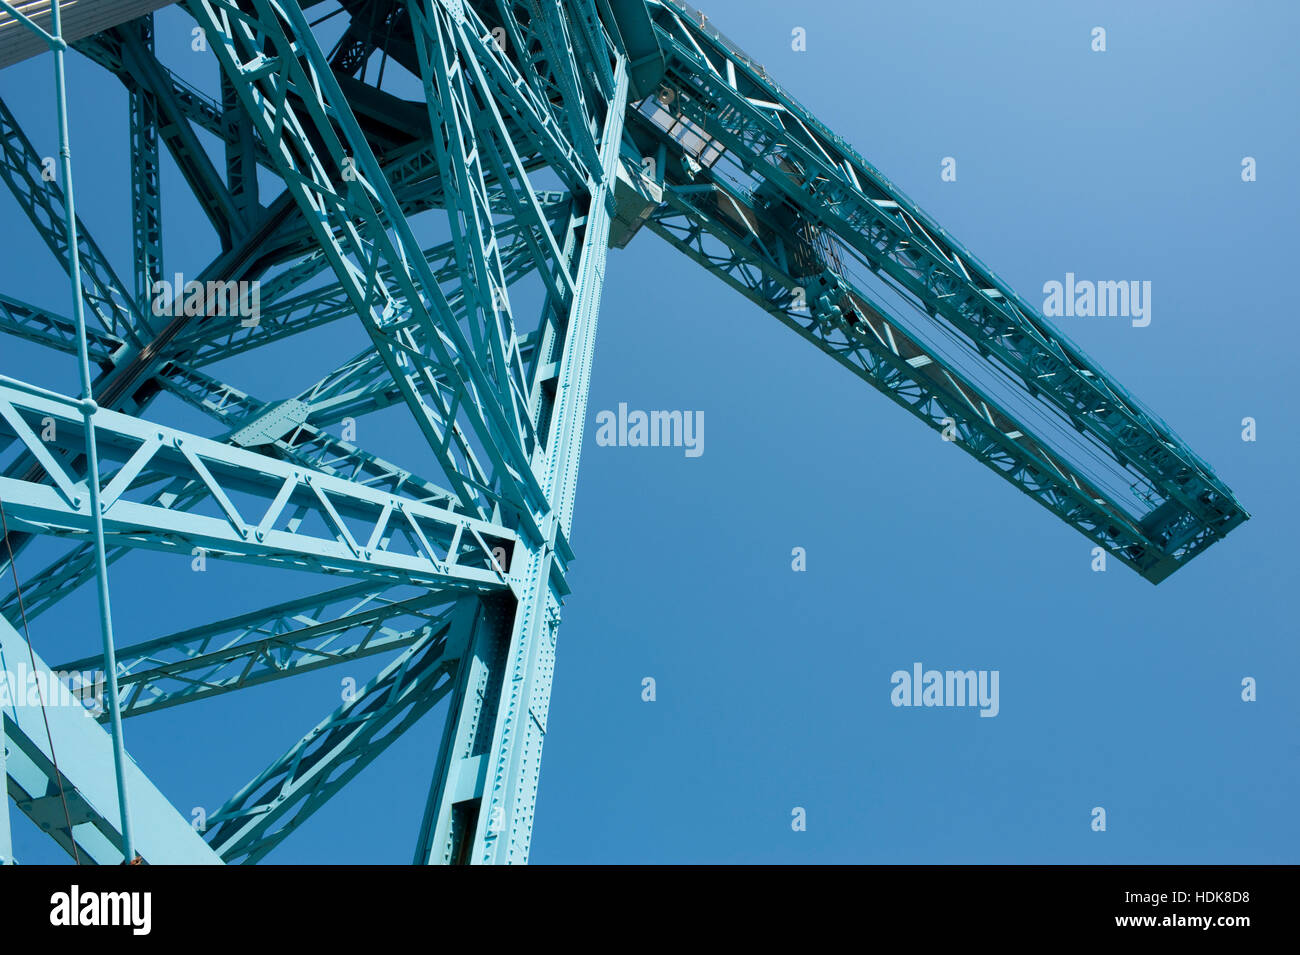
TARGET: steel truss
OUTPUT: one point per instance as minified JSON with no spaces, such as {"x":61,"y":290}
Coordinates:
{"x":537,"y":133}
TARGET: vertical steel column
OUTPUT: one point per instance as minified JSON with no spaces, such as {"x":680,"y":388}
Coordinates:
{"x":88,"y":408}
{"x":451,"y":812}
{"x":146,"y":182}
{"x":481,"y":803}
{"x":6,"y":837}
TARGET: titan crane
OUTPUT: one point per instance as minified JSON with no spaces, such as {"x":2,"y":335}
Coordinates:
{"x":538,"y":134}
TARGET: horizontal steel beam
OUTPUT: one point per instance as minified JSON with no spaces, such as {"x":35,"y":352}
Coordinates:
{"x":286,"y":793}
{"x":357,"y":529}
{"x":296,"y":636}
{"x":77,"y":19}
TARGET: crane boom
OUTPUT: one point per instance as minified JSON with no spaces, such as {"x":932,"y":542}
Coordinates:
{"x":753,"y":187}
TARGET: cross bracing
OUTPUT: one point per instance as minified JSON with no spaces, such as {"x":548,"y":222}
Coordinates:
{"x":443,"y":179}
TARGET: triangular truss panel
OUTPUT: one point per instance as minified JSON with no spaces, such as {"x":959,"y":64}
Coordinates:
{"x":442,"y":181}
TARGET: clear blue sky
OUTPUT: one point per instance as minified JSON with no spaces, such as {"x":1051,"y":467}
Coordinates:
{"x":773,"y":687}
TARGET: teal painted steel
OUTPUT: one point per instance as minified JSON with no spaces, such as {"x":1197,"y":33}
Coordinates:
{"x":88,"y":766}
{"x":773,"y":170}
{"x":445,"y":549}
{"x":530,"y":147}
{"x":274,"y":643}
{"x":6,"y":834}
{"x":497,"y":740}
{"x":88,"y":408}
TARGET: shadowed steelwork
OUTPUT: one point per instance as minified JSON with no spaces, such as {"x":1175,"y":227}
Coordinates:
{"x":530,"y":136}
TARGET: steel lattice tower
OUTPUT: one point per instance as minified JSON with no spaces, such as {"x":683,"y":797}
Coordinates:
{"x":543,"y":133}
